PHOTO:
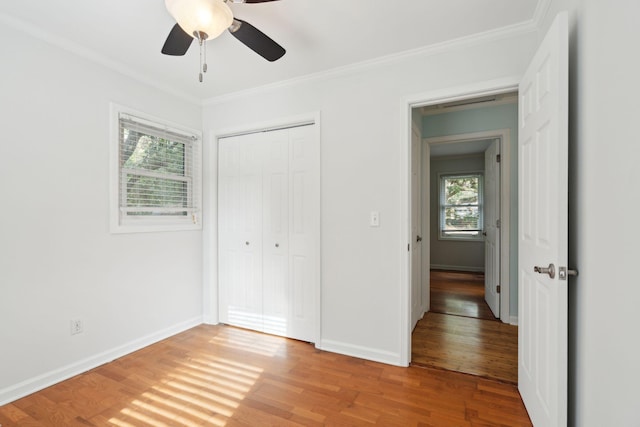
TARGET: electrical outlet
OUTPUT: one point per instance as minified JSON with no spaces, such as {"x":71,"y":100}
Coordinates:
{"x":76,"y":326}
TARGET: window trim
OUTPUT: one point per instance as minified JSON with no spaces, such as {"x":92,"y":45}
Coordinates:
{"x":441,"y":177}
{"x":131,"y":224}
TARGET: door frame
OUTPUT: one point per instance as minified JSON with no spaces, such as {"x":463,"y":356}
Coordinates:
{"x":452,"y":94}
{"x":504,"y":135}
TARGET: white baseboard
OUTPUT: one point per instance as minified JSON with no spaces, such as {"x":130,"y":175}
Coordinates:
{"x":513,"y":320}
{"x":457,"y":268}
{"x":360,"y":352}
{"x":32,"y":385}
{"x":208,"y":320}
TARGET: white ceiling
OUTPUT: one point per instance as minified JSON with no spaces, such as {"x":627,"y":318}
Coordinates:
{"x":319,"y":35}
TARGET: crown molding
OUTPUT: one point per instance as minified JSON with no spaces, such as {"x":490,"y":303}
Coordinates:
{"x":433,"y":49}
{"x":90,"y":55}
{"x":542,"y":9}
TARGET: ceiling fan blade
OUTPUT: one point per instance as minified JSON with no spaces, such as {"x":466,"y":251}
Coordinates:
{"x":177,"y":43}
{"x":256,"y":40}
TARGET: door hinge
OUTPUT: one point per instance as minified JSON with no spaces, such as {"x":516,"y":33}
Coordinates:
{"x":498,"y":289}
{"x":498,"y":158}
{"x":498,"y":223}
{"x":408,"y":246}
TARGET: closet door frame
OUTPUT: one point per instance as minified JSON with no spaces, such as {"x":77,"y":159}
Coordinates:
{"x":210,"y":229}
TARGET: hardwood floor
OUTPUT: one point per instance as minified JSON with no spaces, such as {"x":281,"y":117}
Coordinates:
{"x":459,"y":293}
{"x":223,"y":376}
{"x":461,"y":334}
{"x":462,"y":344}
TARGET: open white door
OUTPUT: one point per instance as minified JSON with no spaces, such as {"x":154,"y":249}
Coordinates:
{"x":491,"y":229}
{"x":543,"y":229}
{"x":416,"y":229}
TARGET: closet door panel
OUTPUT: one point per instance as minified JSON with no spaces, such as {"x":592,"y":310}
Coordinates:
{"x":275,"y":233}
{"x":229,"y":248}
{"x":240,"y":231}
{"x":304,"y":232}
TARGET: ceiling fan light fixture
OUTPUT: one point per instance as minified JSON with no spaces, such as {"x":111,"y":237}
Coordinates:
{"x":195,"y":17}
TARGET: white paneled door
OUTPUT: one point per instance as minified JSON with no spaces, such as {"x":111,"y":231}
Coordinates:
{"x":269,"y":231}
{"x":543,"y":230}
{"x":304,"y":232}
{"x":240,"y":192}
{"x":491,"y":229}
{"x":417,"y":309}
{"x":275,"y":231}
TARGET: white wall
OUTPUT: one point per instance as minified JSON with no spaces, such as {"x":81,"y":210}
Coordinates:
{"x":57,"y":258}
{"x":362,"y":159}
{"x":604,"y":152}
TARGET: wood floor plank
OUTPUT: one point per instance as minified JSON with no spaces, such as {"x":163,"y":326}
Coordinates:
{"x":459,"y":293}
{"x":12,"y":415}
{"x":224,"y":376}
{"x":460,"y":332}
{"x":462,"y":344}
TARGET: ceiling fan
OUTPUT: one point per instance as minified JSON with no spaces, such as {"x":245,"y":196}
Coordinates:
{"x":207,"y":19}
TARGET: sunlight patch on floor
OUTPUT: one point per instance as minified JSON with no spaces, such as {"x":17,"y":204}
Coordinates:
{"x":203,"y":390}
{"x":266,"y":345}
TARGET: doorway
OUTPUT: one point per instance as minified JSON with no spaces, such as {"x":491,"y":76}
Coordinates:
{"x":462,"y":202}
{"x":463,"y":133}
{"x":463,"y":269}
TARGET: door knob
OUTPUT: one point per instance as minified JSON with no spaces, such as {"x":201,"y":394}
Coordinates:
{"x":246,"y":243}
{"x":418,"y":239}
{"x":551,"y":270}
{"x":277,"y":245}
{"x":484,"y":233}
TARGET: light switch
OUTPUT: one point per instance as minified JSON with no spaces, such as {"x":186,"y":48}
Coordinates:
{"x":374,"y":219}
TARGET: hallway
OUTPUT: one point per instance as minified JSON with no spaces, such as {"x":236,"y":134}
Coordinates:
{"x":459,"y":293}
{"x":461,"y":334}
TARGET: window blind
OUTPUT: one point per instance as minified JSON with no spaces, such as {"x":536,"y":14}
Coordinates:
{"x":158,"y":170}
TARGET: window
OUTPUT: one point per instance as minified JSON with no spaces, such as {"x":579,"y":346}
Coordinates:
{"x":156,"y":175}
{"x":461,"y":206}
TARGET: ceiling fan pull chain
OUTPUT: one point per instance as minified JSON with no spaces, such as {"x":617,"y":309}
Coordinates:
{"x":204,"y":66}
{"x":200,"y":73}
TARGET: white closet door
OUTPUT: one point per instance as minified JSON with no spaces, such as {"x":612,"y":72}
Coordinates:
{"x":228,"y":222}
{"x":275,"y":227}
{"x":269,"y":231}
{"x":304,"y":232}
{"x":240,"y":231}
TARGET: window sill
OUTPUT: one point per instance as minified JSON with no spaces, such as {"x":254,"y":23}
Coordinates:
{"x":462,"y":239}
{"x":152,"y":227}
